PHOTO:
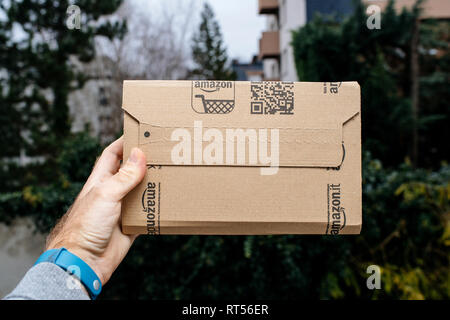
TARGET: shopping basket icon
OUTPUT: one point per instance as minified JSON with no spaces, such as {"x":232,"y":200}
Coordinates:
{"x":217,"y":106}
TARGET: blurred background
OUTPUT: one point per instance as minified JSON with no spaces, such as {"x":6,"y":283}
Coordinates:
{"x":61,"y":73}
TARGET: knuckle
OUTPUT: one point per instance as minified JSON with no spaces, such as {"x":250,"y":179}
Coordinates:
{"x":104,"y":152}
{"x":99,"y":192}
{"x":127,"y":173}
{"x":108,"y":152}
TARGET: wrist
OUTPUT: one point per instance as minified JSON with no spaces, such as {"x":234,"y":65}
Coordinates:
{"x":89,"y":258}
{"x":86,"y":278}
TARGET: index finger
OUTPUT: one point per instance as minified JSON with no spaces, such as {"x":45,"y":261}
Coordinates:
{"x":106,"y":165}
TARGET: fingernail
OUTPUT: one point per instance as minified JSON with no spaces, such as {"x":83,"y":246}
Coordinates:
{"x":134,"y":156}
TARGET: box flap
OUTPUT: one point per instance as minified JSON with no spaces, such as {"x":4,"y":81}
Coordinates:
{"x":241,"y":123}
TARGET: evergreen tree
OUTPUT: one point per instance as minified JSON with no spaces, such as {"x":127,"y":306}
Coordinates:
{"x":37,"y":75}
{"x":405,"y":212}
{"x":208,"y":50}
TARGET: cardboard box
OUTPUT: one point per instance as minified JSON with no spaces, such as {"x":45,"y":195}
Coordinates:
{"x":230,"y":157}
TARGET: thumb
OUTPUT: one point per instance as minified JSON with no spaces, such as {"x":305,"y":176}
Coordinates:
{"x":128,"y":176}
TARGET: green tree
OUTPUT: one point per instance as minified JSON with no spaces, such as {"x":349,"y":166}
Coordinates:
{"x":38,"y":75}
{"x":208,"y":50}
{"x":406,"y":229}
{"x":381,"y":61}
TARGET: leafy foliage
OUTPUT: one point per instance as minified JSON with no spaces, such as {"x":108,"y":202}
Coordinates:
{"x":406,"y":232}
{"x":380,"y":61}
{"x":38,"y":71}
{"x":47,"y":203}
{"x":406,"y":229}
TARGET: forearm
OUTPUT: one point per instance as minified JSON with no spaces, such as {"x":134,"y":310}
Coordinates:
{"x":88,"y":238}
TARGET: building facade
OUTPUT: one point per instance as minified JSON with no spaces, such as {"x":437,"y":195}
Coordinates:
{"x":252,"y":71}
{"x":284,"y":16}
{"x":96,"y":106}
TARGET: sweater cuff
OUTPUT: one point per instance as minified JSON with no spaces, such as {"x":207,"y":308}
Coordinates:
{"x":47,"y":281}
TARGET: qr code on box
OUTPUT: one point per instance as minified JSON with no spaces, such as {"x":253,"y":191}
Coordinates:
{"x":272,"y":97}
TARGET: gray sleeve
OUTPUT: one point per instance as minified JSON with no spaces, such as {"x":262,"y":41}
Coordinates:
{"x":47,"y":281}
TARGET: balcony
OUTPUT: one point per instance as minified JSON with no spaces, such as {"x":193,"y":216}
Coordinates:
{"x":269,"y":45}
{"x":268,"y":6}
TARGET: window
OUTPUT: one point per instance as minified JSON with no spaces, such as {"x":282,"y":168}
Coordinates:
{"x":102,"y":100}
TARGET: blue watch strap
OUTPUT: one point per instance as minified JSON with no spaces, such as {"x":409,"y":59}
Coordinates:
{"x":70,"y":262}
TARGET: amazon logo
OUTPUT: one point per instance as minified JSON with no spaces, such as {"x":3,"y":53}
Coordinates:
{"x":211,"y":96}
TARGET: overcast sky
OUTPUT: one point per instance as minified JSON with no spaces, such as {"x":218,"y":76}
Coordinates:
{"x":239,"y":21}
{"x":241,"y":26}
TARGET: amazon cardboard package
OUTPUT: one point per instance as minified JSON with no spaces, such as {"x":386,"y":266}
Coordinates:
{"x":234,"y":158}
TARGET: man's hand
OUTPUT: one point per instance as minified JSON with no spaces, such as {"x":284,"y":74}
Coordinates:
{"x":91,"y":227}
